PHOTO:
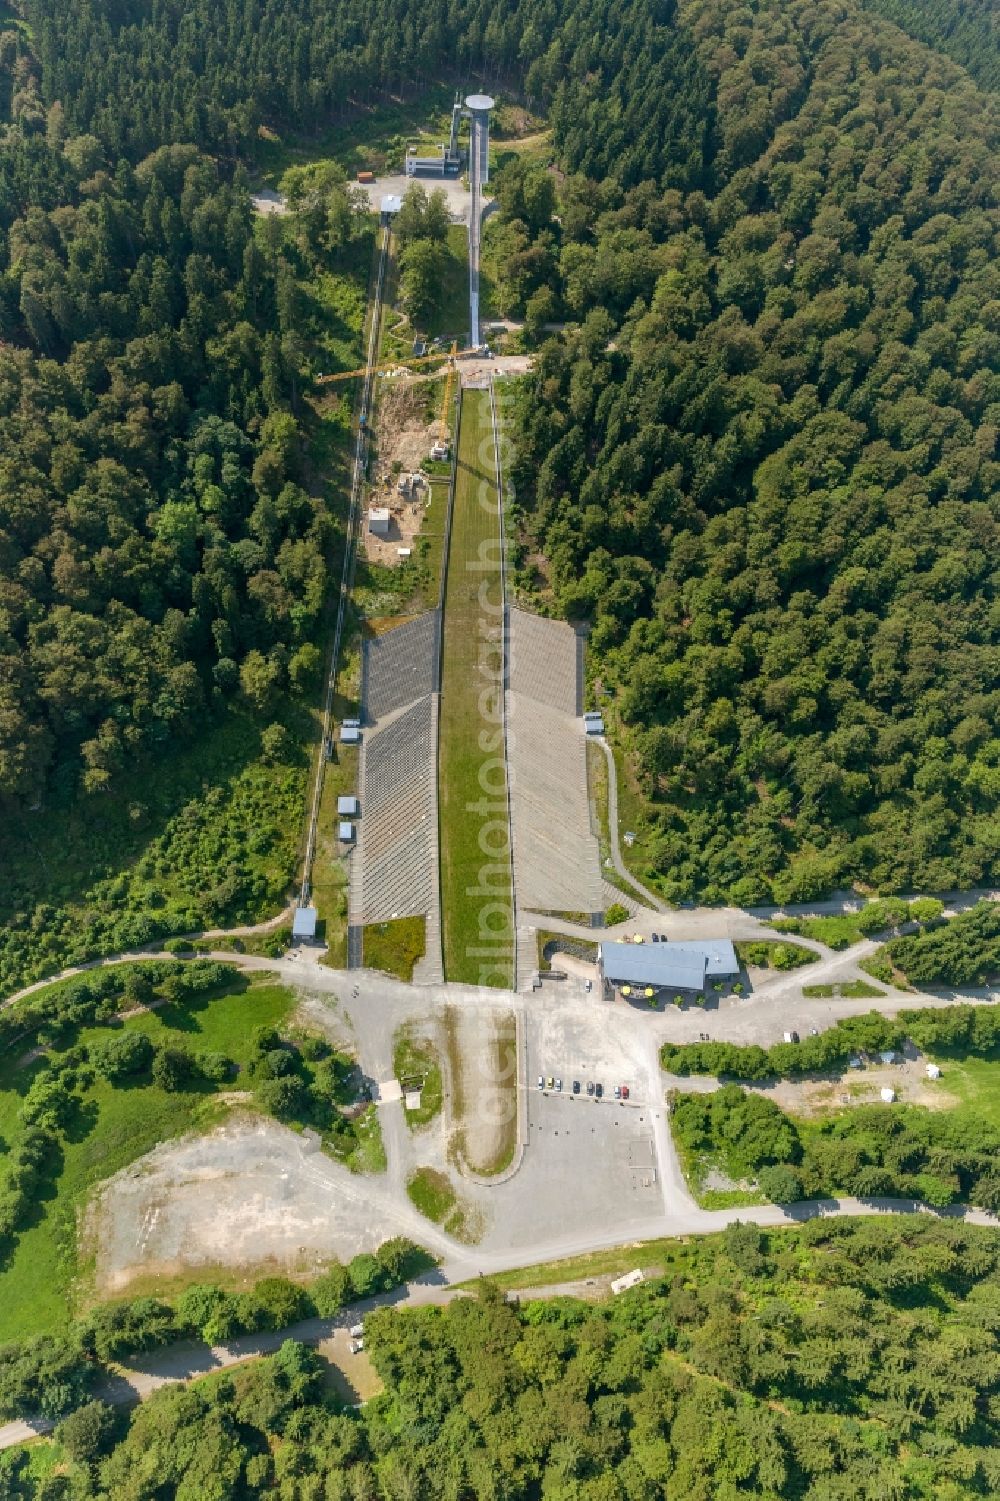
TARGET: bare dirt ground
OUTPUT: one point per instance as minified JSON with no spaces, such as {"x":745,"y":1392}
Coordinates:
{"x":250,"y":1193}
{"x":813,"y":1097}
{"x":482,"y":1087}
{"x":404,"y":435}
{"x":352,"y":1377}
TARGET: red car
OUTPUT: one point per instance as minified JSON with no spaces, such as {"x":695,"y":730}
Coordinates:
{"x":624,"y":1091}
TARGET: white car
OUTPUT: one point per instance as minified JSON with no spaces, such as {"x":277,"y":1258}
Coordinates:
{"x":541,"y":1081}
{"x":558,"y":1085}
{"x":357,"y":1331}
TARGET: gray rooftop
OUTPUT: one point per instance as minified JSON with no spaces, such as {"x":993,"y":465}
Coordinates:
{"x":304,"y":922}
{"x":348,"y":804}
{"x":684,"y":966}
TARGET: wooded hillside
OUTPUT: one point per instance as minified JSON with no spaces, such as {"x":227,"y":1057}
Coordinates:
{"x":853,"y":1361}
{"x":765,"y":466}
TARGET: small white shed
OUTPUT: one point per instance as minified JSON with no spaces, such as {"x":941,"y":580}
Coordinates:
{"x":888,"y":1096}
{"x":347,"y":806}
{"x":378,"y":520}
{"x":345,"y":832}
{"x":933,"y":1072}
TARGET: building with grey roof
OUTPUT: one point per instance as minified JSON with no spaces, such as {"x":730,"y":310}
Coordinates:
{"x":686,"y":967}
{"x":304,"y":924}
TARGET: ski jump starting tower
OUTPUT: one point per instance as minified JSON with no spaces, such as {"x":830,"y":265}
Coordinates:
{"x":478,"y":106}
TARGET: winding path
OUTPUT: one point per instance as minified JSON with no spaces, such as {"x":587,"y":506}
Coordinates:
{"x":651,"y":900}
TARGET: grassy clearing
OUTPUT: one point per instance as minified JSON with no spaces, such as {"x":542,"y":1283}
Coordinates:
{"x":837,"y":932}
{"x":372,"y":138}
{"x":855,"y":990}
{"x":115,"y":1126}
{"x":367,"y":1153}
{"x":432,"y":1193}
{"x":475,"y":850}
{"x":394,"y":947}
{"x":415,"y":1057}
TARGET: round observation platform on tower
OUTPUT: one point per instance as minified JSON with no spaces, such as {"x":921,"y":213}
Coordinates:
{"x":479,"y":102}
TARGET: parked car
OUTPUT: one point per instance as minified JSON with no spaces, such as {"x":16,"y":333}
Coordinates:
{"x":541,"y":1082}
{"x":357,"y":1331}
{"x":618,"y":1091}
{"x":624,"y":1091}
{"x":590,"y":1086}
{"x":599,"y":1090}
{"x":357,"y":1345}
{"x":558,"y":1085}
{"x":550,"y":1081}
{"x":588,"y":985}
{"x":576,"y":1086}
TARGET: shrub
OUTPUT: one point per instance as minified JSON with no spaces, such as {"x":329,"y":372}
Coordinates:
{"x":331,"y":1291}
{"x":275,"y":1303}
{"x":173,"y":1068}
{"x":615,"y":914}
{"x":365,"y":1275}
{"x":285,"y":1098}
{"x":210,"y":1312}
{"x":88,"y":1432}
{"x":780,"y":1183}
{"x":122,"y":1056}
{"x":44,"y":1376}
{"x":114,"y":1330}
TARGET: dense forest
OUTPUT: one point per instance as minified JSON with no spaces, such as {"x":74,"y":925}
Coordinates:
{"x":156,"y":547}
{"x":611,"y":69}
{"x":968,"y":31}
{"x":764,"y":465}
{"x":837,"y":1362}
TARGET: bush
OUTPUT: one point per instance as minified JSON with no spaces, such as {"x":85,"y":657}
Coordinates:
{"x":88,"y":1432}
{"x":210,"y":1313}
{"x":365,"y":1274}
{"x":122,"y":1056}
{"x":615,"y":914}
{"x":173,"y":1068}
{"x":331,"y":1291}
{"x":286,"y":1098}
{"x":44,"y":1376}
{"x":115,"y":1330}
{"x":780,"y":1183}
{"x":275,"y":1303}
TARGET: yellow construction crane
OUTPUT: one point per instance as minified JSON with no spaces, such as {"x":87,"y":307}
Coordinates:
{"x":447,"y":388}
{"x":422,"y":359}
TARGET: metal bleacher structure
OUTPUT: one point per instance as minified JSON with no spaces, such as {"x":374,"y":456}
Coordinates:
{"x":557,"y":865}
{"x":394,"y":869}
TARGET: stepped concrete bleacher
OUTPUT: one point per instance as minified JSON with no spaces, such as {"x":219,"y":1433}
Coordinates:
{"x":557,"y":865}
{"x":394,"y":868}
{"x":399,"y":666}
